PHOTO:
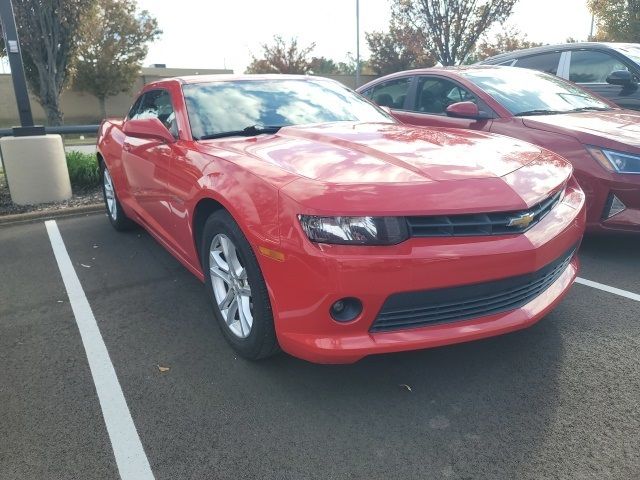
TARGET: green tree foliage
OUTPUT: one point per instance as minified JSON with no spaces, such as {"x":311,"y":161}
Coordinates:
{"x":49,"y":31}
{"x":616,"y":20}
{"x":508,"y":40}
{"x":451,"y":28}
{"x":401,"y":48}
{"x":282,"y":57}
{"x":327,"y":66}
{"x":113,"y":44}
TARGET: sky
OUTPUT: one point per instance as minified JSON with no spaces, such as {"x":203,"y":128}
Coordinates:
{"x":224,"y":33}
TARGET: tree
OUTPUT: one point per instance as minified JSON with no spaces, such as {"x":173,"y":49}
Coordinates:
{"x":616,"y":20}
{"x":327,"y":66}
{"x":113,"y":44}
{"x":451,"y":28}
{"x":402,"y":48}
{"x":282,"y":57}
{"x":508,"y":40}
{"x":49,"y":32}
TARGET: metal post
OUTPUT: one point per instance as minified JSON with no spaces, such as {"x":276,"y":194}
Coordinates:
{"x":12,"y":44}
{"x":357,"y":43}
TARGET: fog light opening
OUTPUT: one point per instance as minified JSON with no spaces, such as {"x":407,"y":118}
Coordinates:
{"x":346,"y":309}
{"x":614,"y":206}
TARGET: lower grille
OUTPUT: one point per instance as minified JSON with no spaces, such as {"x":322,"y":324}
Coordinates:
{"x":419,"y":309}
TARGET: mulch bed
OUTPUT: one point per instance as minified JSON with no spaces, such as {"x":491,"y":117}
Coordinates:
{"x":81,"y":197}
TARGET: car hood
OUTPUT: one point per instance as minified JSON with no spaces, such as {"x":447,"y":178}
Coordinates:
{"x":619,"y":126}
{"x":391,"y":168}
{"x":385,"y":153}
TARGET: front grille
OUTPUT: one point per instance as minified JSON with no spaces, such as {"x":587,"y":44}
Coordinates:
{"x":492,"y":223}
{"x":419,"y":309}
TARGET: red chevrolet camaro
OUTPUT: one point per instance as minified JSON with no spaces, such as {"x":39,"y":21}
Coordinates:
{"x":601,"y":140}
{"x":324,"y":227}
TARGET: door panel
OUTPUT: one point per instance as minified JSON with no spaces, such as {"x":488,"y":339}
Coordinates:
{"x":432,"y":120}
{"x":147,"y":164}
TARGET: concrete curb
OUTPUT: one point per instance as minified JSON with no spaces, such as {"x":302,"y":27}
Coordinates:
{"x":48,"y":214}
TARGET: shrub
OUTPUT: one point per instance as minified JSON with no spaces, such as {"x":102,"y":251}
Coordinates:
{"x":83,"y":170}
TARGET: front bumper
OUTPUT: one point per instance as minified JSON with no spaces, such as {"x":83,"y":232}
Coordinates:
{"x":312,"y":277}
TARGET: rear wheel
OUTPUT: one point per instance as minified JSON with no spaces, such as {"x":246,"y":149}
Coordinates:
{"x":116,"y":215}
{"x":237,"y":288}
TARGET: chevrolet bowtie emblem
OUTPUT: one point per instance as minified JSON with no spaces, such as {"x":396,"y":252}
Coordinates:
{"x":522,"y":220}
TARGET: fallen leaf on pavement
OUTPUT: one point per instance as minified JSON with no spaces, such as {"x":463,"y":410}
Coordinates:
{"x":163,"y":369}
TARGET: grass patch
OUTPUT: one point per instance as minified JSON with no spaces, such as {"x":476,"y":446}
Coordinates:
{"x":83,"y":170}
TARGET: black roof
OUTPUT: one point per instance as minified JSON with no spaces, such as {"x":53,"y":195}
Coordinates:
{"x":556,"y":48}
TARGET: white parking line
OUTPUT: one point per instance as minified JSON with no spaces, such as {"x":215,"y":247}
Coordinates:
{"x":607,"y":288}
{"x":132,"y":462}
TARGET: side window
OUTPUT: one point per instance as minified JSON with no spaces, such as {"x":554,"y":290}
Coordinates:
{"x":157,"y":104}
{"x":589,"y":66}
{"x":435,"y":94}
{"x":367,"y":93}
{"x":545,"y":62}
{"x":135,"y":107}
{"x":392,"y":93}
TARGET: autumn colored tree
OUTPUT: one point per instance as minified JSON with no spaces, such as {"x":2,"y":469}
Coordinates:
{"x":282,"y":57}
{"x":113,"y":44}
{"x":401,"y":48}
{"x":616,"y":20}
{"x":49,"y":32}
{"x":508,"y":40}
{"x":451,"y":28}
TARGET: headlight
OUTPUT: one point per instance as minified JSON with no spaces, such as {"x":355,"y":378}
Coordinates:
{"x":355,"y":230}
{"x":616,"y":161}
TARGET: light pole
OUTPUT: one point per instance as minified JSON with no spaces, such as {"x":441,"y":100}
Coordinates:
{"x":34,"y":163}
{"x":357,"y":43}
{"x":12,"y":44}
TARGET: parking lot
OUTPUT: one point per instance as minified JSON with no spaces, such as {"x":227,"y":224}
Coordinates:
{"x":558,"y":400}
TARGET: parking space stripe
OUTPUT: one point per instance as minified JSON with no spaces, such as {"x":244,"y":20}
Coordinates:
{"x":607,"y":288}
{"x":131,"y":459}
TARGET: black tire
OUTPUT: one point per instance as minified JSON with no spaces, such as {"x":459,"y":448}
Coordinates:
{"x":261,"y":341}
{"x":117,"y":217}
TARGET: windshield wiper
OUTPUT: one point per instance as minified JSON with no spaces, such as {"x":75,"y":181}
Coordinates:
{"x":537,"y":112}
{"x":589,"y":109}
{"x":249,"y":131}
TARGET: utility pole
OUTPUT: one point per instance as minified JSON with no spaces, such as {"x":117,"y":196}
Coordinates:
{"x":357,"y":43}
{"x":12,"y":44}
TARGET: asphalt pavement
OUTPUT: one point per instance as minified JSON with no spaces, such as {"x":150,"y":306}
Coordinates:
{"x":560,"y":400}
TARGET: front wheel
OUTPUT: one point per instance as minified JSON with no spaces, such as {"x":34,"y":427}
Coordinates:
{"x":116,"y":215}
{"x":237,"y":288}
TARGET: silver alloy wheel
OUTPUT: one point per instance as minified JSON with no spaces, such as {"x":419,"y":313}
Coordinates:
{"x":109,"y":195}
{"x":230,"y":286}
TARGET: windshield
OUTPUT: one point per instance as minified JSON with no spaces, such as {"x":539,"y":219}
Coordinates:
{"x":631,"y":51}
{"x":523,"y":91}
{"x":233,"y":106}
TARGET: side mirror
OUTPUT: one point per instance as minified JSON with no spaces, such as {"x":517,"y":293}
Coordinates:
{"x":148,"y":128}
{"x":465,"y":110}
{"x":624,"y":78}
